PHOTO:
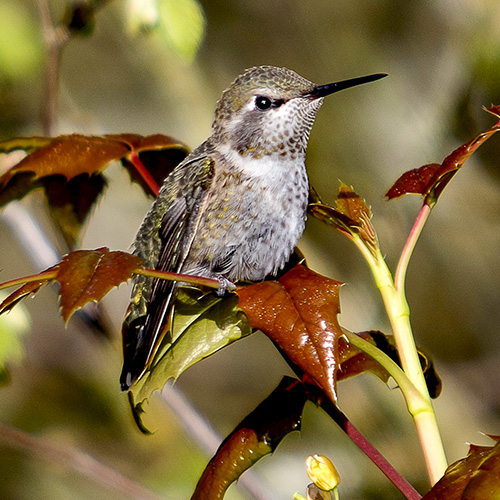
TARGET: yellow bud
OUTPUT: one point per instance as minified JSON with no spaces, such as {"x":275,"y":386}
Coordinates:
{"x":322,"y":472}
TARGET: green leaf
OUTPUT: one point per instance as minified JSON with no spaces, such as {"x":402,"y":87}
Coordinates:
{"x":203,"y":324}
{"x":12,"y":327}
{"x":183,"y":24}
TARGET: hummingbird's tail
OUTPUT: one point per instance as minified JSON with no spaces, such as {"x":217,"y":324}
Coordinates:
{"x":143,"y":334}
{"x":134,"y":351}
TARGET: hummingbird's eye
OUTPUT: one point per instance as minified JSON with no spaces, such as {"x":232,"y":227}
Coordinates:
{"x":263,"y":103}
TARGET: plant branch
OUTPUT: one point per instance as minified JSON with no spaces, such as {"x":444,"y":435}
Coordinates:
{"x":399,"y":316}
{"x":144,"y":173}
{"x":75,"y":459}
{"x":186,"y":278}
{"x":362,"y":443}
{"x":80,"y":17}
{"x":55,"y":39}
{"x":400,"y":275}
{"x":48,"y":275}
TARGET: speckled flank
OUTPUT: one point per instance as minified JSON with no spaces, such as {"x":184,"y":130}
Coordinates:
{"x":252,"y":213}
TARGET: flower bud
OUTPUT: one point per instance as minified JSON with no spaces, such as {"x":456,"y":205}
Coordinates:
{"x":322,"y":472}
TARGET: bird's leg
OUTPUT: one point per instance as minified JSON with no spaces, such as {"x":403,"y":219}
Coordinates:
{"x":224,"y":286}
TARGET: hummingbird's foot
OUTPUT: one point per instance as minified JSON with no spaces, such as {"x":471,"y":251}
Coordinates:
{"x":224,"y":286}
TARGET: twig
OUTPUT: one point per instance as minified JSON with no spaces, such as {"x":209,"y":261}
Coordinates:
{"x":144,"y":173}
{"x":188,"y":278}
{"x":55,"y":38}
{"x":400,"y":274}
{"x":364,"y":445}
{"x":69,"y":457}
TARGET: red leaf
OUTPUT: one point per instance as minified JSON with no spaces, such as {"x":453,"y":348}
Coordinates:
{"x":474,"y":477}
{"x":430,"y":180}
{"x":69,"y":168}
{"x":88,"y":275}
{"x":416,"y":181}
{"x":299,"y":313}
{"x":256,"y":436}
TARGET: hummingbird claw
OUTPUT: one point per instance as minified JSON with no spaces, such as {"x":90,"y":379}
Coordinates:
{"x":224,"y":286}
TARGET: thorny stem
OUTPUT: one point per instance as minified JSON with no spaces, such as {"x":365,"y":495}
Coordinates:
{"x":399,"y":316}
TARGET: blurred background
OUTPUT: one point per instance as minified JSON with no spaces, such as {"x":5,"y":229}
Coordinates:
{"x":443,"y":61}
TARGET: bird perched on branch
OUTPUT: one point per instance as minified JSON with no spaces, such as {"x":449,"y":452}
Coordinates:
{"x":235,"y":208}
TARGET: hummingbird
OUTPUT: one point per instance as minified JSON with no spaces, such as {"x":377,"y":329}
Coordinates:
{"x":235,"y":208}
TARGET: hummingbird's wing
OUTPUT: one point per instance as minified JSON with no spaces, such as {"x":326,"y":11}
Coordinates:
{"x":163,"y":242}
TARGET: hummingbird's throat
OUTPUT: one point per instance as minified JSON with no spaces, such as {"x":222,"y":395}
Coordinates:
{"x":281,"y":133}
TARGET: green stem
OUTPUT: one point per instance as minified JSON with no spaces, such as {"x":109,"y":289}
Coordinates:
{"x":399,"y":316}
{"x":415,"y":401}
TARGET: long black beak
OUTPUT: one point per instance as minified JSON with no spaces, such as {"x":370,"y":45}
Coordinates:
{"x":330,"y":88}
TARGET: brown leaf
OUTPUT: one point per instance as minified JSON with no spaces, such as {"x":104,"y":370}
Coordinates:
{"x":299,"y":313}
{"x":67,"y":155}
{"x":14,"y":298}
{"x":350,"y":204}
{"x":416,"y":181}
{"x":351,"y":216}
{"x":88,"y":275}
{"x":333,"y":217}
{"x":73,"y":155}
{"x":256,"y":436}
{"x":430,"y":180}
{"x":69,"y":168}
{"x":474,"y":477}
{"x":70,"y":202}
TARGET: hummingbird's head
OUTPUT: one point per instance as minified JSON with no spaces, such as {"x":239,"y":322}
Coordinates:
{"x":264,"y":112}
{"x":270,"y":111}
